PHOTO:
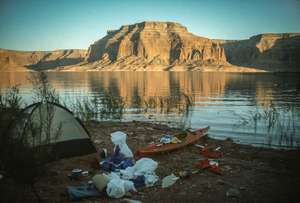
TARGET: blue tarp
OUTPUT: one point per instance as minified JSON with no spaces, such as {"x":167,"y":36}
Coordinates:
{"x":83,"y":191}
{"x":116,"y":162}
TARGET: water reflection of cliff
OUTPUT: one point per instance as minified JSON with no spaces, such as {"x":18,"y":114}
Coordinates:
{"x":264,"y":95}
{"x":130,"y":85}
{"x":139,"y":86}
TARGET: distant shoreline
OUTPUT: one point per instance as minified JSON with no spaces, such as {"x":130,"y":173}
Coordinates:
{"x":227,"y":69}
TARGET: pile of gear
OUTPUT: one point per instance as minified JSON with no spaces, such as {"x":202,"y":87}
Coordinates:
{"x":123,"y":174}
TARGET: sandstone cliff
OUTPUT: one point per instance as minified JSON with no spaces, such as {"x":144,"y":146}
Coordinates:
{"x":148,"y":46}
{"x":160,"y":44}
{"x":38,"y":60}
{"x":270,"y":52}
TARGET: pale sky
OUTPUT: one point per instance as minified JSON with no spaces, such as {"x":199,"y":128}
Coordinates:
{"x":65,"y":24}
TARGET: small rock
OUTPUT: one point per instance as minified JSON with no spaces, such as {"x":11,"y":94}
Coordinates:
{"x":220,"y":181}
{"x":227,"y":168}
{"x":208,"y":186}
{"x":199,"y":193}
{"x":232,"y":192}
{"x":242,"y":188}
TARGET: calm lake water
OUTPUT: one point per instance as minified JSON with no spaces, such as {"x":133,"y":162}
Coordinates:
{"x":258,"y":109}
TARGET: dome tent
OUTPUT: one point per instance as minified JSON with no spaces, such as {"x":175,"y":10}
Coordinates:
{"x":56,"y":126}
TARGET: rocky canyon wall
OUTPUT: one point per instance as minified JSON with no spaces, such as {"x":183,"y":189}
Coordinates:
{"x":39,"y":60}
{"x":270,"y":52}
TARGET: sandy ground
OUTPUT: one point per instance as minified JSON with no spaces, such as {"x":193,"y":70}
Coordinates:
{"x":255,"y":174}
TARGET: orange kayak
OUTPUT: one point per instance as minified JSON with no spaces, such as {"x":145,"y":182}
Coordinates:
{"x":158,"y":148}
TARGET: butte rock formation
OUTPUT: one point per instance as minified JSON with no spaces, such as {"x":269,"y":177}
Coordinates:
{"x":155,"y":46}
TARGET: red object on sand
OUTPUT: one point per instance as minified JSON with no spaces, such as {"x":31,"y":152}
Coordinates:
{"x":206,"y":164}
{"x":216,"y":169}
{"x":203,"y":164}
{"x":158,"y":148}
{"x":211,"y":154}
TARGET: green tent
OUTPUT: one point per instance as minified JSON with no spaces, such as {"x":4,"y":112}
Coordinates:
{"x":56,"y":126}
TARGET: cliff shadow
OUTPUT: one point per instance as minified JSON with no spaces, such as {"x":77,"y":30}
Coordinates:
{"x":51,"y":64}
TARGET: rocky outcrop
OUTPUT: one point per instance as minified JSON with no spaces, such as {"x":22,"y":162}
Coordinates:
{"x":164,"y":44}
{"x":270,"y":52}
{"x":39,"y":60}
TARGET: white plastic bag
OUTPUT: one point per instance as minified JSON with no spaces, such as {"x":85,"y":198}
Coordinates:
{"x":145,"y":167}
{"x":129,"y":186}
{"x":119,"y":138}
{"x":127,"y":173}
{"x":117,"y":188}
{"x":169,"y":180}
{"x":151,"y":179}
